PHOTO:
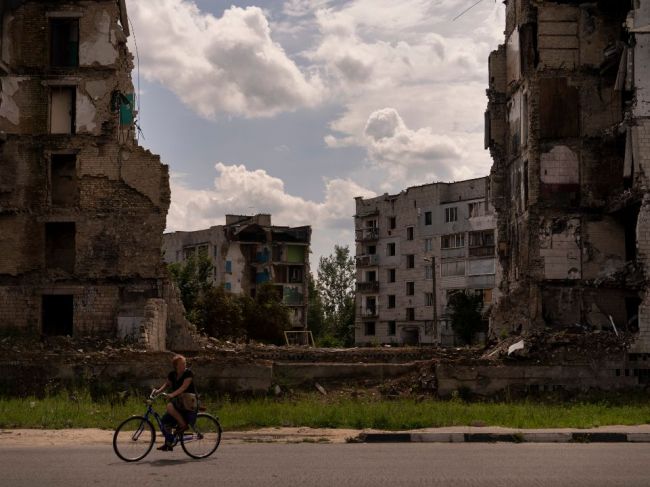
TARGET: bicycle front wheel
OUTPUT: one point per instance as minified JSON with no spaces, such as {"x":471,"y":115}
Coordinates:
{"x":202,"y":439}
{"x":134,"y":438}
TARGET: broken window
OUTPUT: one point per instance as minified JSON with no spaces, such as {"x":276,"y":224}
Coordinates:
{"x":391,"y":301}
{"x":559,"y":112}
{"x":476,"y":209}
{"x":371,"y":306}
{"x":392,"y":222}
{"x":409,"y":233}
{"x":451,"y":214}
{"x":410,"y":288}
{"x":369,"y":328}
{"x":62,"y":109}
{"x":372,"y":249}
{"x":390,"y":248}
{"x":391,"y":328}
{"x":64,"y":42}
{"x":410,"y":314}
{"x":428,"y":272}
{"x":295,"y":274}
{"x":63,"y":180}
{"x":391,"y":275}
{"x":428,"y":219}
{"x":481,"y":244}
{"x":410,"y":261}
{"x":371,"y":276}
{"x":481,"y":239}
{"x":60,"y":246}
{"x":57,"y":315}
{"x":453,"y":241}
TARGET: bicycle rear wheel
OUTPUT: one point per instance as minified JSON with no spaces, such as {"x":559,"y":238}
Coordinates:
{"x":134,"y":438}
{"x":203,"y":438}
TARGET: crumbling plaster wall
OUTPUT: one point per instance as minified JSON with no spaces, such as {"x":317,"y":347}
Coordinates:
{"x":122,"y":191}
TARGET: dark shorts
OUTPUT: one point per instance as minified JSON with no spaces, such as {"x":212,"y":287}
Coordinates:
{"x":188,"y":416}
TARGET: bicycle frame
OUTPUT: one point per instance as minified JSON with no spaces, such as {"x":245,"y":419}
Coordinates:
{"x":170,"y":436}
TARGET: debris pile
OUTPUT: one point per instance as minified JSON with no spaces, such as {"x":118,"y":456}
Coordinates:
{"x":560,"y":347}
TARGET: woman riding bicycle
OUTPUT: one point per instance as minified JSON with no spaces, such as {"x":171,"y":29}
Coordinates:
{"x":182,"y":400}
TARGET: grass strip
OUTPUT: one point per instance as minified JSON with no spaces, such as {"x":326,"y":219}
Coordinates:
{"x":79,"y":411}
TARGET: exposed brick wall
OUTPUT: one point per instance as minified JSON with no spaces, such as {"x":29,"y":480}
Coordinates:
{"x":123,"y":193}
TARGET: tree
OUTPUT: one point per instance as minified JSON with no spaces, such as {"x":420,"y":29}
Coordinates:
{"x":465,"y":312}
{"x":336,"y":281}
{"x":219,"y":314}
{"x":315,"y":313}
{"x":192,"y":278}
{"x":265,"y":317}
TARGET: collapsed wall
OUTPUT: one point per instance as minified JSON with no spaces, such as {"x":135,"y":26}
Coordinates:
{"x":566,"y":127}
{"x":82,"y":205}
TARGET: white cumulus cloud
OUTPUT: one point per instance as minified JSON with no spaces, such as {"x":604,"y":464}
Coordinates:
{"x":228,"y":64}
{"x":238,"y":190}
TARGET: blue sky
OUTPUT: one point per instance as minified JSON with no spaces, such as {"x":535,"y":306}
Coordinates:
{"x":294,"y":107}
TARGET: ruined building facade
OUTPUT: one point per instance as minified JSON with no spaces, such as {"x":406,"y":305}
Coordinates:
{"x":247,"y":252}
{"x":413,"y":250}
{"x":82,"y":205}
{"x":567,"y":126}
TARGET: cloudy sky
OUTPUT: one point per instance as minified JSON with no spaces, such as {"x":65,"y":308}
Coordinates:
{"x":294,"y":107}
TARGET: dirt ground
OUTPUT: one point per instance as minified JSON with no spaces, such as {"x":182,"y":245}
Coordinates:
{"x":92,"y":436}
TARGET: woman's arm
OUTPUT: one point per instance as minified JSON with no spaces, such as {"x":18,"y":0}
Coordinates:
{"x":186,"y":383}
{"x":162,"y":387}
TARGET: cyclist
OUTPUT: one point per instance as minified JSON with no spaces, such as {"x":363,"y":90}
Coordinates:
{"x":181,"y":381}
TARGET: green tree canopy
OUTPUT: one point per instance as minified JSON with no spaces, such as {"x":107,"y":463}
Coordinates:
{"x":336,"y":282}
{"x":465,"y":312}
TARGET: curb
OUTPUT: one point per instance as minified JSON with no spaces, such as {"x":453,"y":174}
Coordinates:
{"x":514,"y":437}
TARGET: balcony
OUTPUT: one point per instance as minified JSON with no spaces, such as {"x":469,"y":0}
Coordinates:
{"x":367,"y":260}
{"x":370,"y":312}
{"x":368,"y":287}
{"x":487,"y":251}
{"x":367,"y":234}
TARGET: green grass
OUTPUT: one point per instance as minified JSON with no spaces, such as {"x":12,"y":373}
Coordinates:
{"x":60,"y":411}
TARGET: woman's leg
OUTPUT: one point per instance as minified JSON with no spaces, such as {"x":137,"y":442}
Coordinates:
{"x":175,"y":413}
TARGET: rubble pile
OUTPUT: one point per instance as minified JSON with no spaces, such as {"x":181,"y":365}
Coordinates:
{"x":560,"y":347}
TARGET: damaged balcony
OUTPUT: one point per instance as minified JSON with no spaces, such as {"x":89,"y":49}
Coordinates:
{"x":368,"y":287}
{"x":367,"y":234}
{"x":368,"y":260}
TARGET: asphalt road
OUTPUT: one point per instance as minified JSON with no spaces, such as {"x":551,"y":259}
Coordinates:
{"x":355,"y":465}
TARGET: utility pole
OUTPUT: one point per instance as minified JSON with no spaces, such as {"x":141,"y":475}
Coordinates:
{"x":435,"y":297}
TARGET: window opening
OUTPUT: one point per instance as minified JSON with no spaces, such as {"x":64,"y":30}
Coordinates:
{"x":451,"y":214}
{"x":64,"y":42}
{"x":410,"y":288}
{"x":57,"y":315}
{"x":63,"y":180}
{"x":60,"y":246}
{"x":62,"y":109}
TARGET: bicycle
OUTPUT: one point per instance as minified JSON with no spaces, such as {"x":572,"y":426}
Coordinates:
{"x":135,"y":436}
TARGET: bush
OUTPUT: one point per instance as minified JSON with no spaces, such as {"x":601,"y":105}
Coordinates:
{"x":465,"y":311}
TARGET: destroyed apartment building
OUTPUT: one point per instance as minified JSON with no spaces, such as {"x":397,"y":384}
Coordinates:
{"x":568,"y":128}
{"x":413,"y":251}
{"x":248,"y":252}
{"x":82,"y":205}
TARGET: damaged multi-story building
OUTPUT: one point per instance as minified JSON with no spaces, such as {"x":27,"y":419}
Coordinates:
{"x":82,"y":205}
{"x":414,"y":250}
{"x":247,"y":252}
{"x":568,"y":128}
